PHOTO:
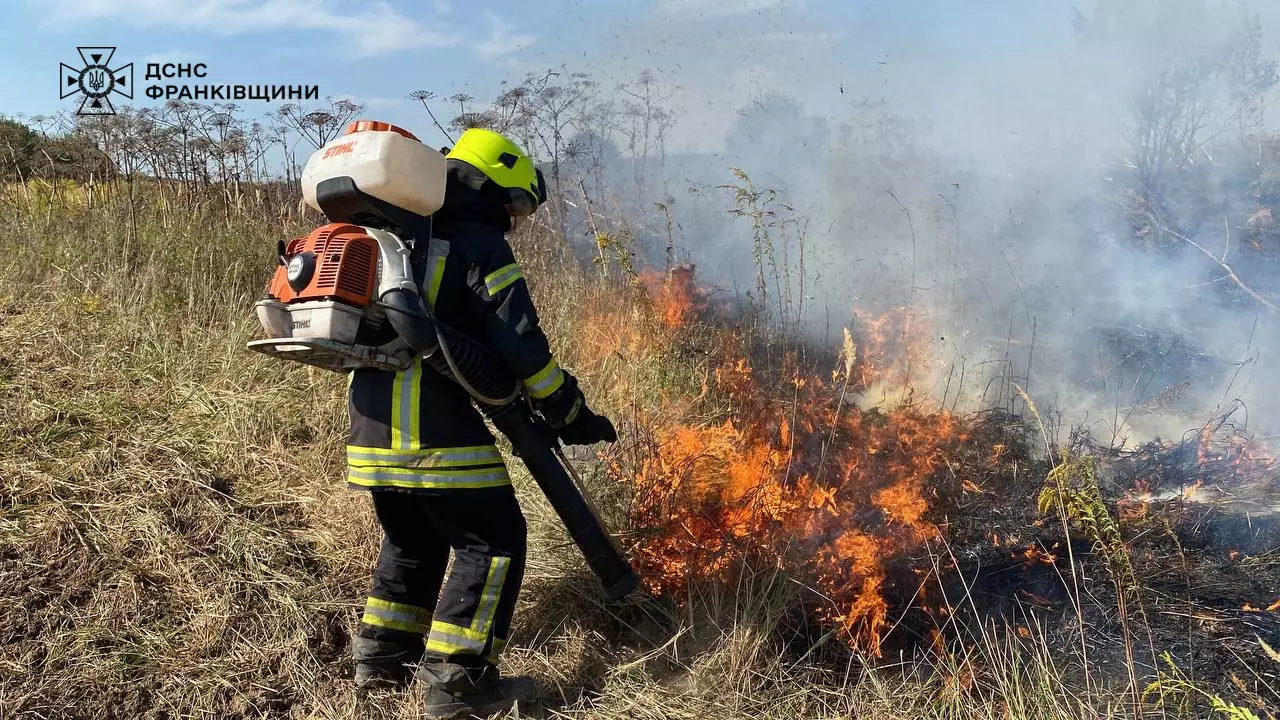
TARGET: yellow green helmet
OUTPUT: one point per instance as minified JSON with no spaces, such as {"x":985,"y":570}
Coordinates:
{"x":503,"y":162}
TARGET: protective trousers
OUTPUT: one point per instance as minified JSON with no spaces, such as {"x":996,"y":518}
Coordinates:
{"x":469,"y":623}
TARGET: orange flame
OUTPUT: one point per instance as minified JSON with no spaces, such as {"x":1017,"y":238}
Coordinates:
{"x":676,"y":296}
{"x":1034,"y":554}
{"x":794,"y":475}
{"x":1241,"y":455}
{"x":891,"y":357}
{"x":1189,"y":492}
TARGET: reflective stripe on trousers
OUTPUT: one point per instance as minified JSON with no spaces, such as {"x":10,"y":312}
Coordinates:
{"x":395,"y":616}
{"x":451,"y":639}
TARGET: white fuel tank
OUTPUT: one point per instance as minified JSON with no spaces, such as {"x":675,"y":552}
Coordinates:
{"x":385,"y":161}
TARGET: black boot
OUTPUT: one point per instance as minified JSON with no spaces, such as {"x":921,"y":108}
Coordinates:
{"x":385,"y":663}
{"x":453,"y":691}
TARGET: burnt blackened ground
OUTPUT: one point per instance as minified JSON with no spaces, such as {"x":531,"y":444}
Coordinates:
{"x":1200,"y":536}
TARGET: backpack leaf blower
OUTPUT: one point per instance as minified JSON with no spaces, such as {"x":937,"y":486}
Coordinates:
{"x":344,"y":297}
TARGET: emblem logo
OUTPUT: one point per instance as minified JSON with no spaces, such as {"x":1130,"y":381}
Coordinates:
{"x":96,"y":81}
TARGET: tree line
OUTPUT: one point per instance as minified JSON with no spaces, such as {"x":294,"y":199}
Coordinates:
{"x":579,"y":131}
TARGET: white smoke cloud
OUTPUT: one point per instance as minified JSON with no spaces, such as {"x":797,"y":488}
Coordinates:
{"x":1004,"y":133}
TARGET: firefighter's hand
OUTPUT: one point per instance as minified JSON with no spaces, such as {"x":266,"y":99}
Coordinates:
{"x":567,"y":414}
{"x":588,"y":428}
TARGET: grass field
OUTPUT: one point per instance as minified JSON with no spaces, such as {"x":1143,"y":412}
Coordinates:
{"x":177,"y":541}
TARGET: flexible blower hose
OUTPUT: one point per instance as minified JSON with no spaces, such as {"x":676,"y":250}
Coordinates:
{"x":456,"y":355}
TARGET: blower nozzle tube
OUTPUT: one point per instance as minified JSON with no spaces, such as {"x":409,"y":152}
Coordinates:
{"x":529,"y":444}
{"x":404,"y":311}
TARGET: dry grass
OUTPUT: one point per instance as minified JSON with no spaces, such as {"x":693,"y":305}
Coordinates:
{"x":176,"y":540}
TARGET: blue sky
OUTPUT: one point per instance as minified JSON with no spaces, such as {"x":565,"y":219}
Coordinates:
{"x":713,"y":56}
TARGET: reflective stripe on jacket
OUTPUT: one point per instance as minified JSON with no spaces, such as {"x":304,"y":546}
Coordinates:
{"x":416,"y":430}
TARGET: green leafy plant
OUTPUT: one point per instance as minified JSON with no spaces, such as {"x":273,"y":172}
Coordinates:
{"x":1172,"y":689}
{"x":1072,"y":485}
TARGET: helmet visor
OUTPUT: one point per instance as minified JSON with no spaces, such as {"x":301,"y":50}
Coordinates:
{"x":523,"y":203}
{"x":520,"y":203}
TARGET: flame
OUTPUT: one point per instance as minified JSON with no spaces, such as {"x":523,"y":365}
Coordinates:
{"x":1034,"y":554}
{"x":1189,"y":492}
{"x":1134,"y":506}
{"x":938,"y":642}
{"x":1274,"y":606}
{"x":677,"y":299}
{"x":825,"y":475}
{"x":1231,"y":456}
{"x":1227,"y":464}
{"x":793,"y":473}
{"x":892,"y":358}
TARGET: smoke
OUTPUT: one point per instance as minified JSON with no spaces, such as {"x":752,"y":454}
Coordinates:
{"x":976,"y":163}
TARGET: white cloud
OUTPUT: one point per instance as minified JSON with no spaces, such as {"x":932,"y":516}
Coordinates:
{"x":502,"y":40}
{"x":443,"y":7}
{"x":373,"y":28}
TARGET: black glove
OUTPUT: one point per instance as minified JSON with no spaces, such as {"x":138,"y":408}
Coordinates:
{"x":588,"y":429}
{"x":566,"y":412}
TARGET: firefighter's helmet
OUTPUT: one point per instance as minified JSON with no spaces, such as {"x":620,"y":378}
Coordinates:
{"x":506,"y":165}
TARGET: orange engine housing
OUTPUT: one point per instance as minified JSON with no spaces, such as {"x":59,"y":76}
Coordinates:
{"x":338,"y":261}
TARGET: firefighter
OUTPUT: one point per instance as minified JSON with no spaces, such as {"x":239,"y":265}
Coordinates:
{"x":438,"y":482}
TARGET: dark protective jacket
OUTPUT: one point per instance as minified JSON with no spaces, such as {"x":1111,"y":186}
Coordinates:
{"x":415,"y":429}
